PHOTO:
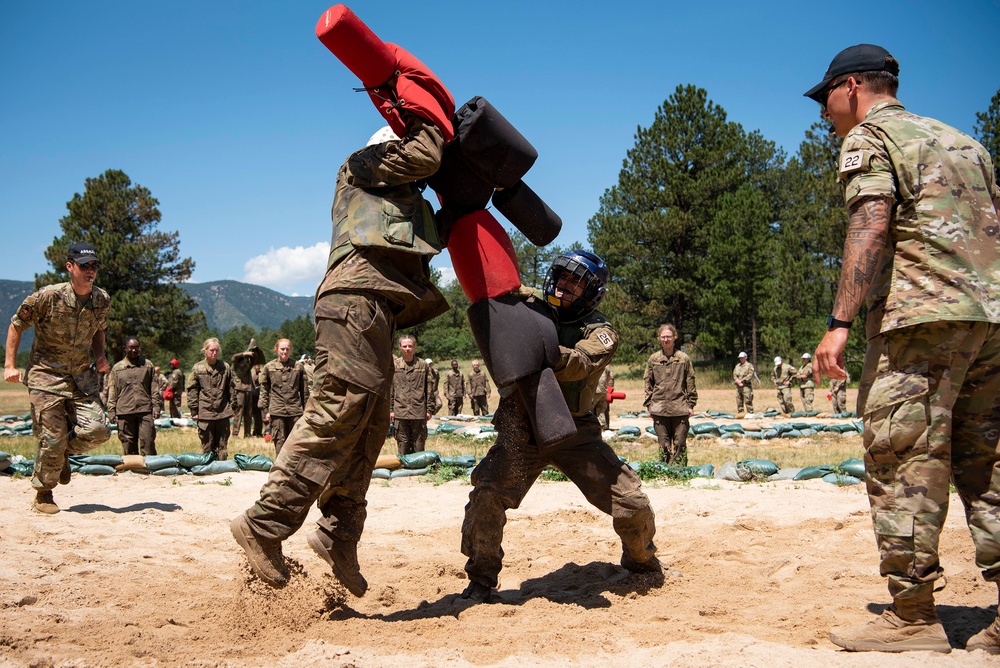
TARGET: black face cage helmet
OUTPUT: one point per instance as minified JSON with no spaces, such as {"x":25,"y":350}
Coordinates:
{"x":589,"y":269}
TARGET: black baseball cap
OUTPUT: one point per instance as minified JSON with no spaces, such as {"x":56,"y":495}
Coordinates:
{"x":859,"y":58}
{"x":81,"y":252}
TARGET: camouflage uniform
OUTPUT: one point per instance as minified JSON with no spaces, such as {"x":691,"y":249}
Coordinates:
{"x":601,"y":407}
{"x":478,"y":384}
{"x":243,"y":388}
{"x":436,"y":382}
{"x":454,"y":391}
{"x":929,"y":386}
{"x":378,"y":279}
{"x":838,"y":394}
{"x":282,"y":396}
{"x":782,"y":377}
{"x":210,"y":399}
{"x":671,"y":395}
{"x":62,"y":383}
{"x":411,"y":400}
{"x":744,"y":373}
{"x":511,"y":466}
{"x":176,"y":384}
{"x":134,"y":403}
{"x":807,"y":386}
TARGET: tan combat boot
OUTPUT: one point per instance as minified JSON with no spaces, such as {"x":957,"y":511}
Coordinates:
{"x":342,"y":557}
{"x":44,"y":503}
{"x":988,"y":639}
{"x":265,"y":556}
{"x":907,"y":626}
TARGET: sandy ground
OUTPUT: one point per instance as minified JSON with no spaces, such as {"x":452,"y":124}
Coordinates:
{"x":141,"y":571}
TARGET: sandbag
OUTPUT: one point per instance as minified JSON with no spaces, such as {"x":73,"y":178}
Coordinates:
{"x":812,"y":472}
{"x":191,"y":459}
{"x":97,"y":469}
{"x":418,"y":460}
{"x":791,"y":433}
{"x":25,"y":468}
{"x":159,"y":462}
{"x":169,"y":471}
{"x":784,"y":474}
{"x":732,"y":428}
{"x":528,"y":213}
{"x":391,"y":462}
{"x":215,"y":467}
{"x":515,"y":340}
{"x":459,"y":460}
{"x":163,"y":423}
{"x":628,"y":430}
{"x":133,"y":463}
{"x":447,"y":427}
{"x":853,"y":467}
{"x":103,"y":460}
{"x":382,"y":474}
{"x":749,"y":469}
{"x":551,"y":421}
{"x":483,"y":256}
{"x":254,"y":463}
{"x":801,"y":426}
{"x":840,"y":479}
{"x":807,"y":432}
{"x":728,"y":472}
{"x":405,"y":473}
{"x":704,"y":428}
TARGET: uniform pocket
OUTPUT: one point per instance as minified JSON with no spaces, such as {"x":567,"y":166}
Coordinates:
{"x":897,"y":414}
{"x":397,"y":222}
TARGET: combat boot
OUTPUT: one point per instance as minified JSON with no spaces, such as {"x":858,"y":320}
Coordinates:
{"x":343,"y":558}
{"x":66,"y":474}
{"x":906,"y":626}
{"x":988,"y":639}
{"x":651,"y":565}
{"x":44,"y":503}
{"x":478,"y":593}
{"x":265,"y":557}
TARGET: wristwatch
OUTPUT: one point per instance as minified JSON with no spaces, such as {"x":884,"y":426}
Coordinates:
{"x":833,"y":323}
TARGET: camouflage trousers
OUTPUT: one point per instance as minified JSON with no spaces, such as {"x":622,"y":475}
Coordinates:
{"x":839,"y":400}
{"x":671,"y":434}
{"x":242,"y":413}
{"x":928,"y":395}
{"x":63,"y":427}
{"x":511,"y":466}
{"x":785,"y":400}
{"x":744,"y":398}
{"x":807,"y":394}
{"x":411,"y":436}
{"x":331,"y":452}
{"x":174,"y":407}
{"x":214,"y":437}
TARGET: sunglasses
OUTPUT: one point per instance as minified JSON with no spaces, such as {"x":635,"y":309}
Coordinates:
{"x":87,"y":266}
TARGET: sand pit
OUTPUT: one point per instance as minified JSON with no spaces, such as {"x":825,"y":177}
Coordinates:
{"x":142,"y":571}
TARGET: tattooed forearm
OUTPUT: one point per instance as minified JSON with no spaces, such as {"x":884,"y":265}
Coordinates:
{"x":867,"y":236}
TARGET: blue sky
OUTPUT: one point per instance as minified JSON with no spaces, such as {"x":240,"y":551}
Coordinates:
{"x":237,"y":118}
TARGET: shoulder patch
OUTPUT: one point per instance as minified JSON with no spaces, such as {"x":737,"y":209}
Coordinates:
{"x":25,"y":313}
{"x":606,"y":340}
{"x":854,"y":160}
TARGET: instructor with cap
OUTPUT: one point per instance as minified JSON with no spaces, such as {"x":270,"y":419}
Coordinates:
{"x":743,"y":376}
{"x":807,"y":386}
{"x":923,"y":250}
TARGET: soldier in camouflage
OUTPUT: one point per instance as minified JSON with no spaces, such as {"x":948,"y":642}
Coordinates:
{"x":282,"y":393}
{"x":743,"y":376}
{"x":478,"y":387}
{"x":176,"y":384}
{"x":838,"y":392}
{"x":782,"y":377}
{"x":573,"y":289}
{"x":210,"y":399}
{"x":807,"y":386}
{"x":133,"y":401}
{"x":436,"y":381}
{"x":454,"y":389}
{"x":243,"y":388}
{"x":671,"y":395}
{"x":411,"y":400}
{"x":378,"y":278}
{"x":923,"y":249}
{"x":69,"y":321}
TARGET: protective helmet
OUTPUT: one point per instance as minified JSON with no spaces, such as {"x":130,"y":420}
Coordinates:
{"x":742,"y":355}
{"x":806,"y":356}
{"x":428,"y":361}
{"x":777,"y":361}
{"x":577,"y":266}
{"x":383,"y":135}
{"x":174,"y":363}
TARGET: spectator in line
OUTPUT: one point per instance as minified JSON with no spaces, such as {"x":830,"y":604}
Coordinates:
{"x":671,"y":396}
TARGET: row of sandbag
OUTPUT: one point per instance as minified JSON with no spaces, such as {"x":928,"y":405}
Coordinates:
{"x":187,"y":463}
{"x":780,"y":430}
{"x":467,"y":431}
{"x":388,"y":467}
{"x":770,"y":413}
{"x":848,"y":472}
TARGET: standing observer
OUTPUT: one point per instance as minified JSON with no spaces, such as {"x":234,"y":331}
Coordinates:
{"x":923,"y":249}
{"x":283,"y":393}
{"x":671,"y":396}
{"x":133,"y":402}
{"x":411,"y":399}
{"x":210,"y":399}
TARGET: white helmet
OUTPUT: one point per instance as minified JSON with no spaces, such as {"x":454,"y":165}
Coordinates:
{"x":428,"y":361}
{"x":806,"y":356}
{"x":383,"y":135}
{"x":777,"y":361}
{"x":742,"y":355}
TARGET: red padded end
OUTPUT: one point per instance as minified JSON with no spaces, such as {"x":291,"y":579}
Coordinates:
{"x":421,"y":92}
{"x":483,"y":256}
{"x":356,"y":46}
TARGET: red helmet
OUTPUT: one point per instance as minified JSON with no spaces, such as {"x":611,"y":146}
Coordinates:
{"x":174,"y":363}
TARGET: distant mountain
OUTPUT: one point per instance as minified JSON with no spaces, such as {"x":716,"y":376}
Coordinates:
{"x":226,"y":304}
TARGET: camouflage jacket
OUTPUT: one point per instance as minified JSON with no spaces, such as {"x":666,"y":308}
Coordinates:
{"x":805,"y":375}
{"x":132,"y":388}
{"x":782,"y":376}
{"x":283,"y":389}
{"x":412,"y":395}
{"x":744,"y":372}
{"x":943,"y":262}
{"x":478,"y":384}
{"x":384,"y":232}
{"x":210,"y":391}
{"x":454,"y":385}
{"x":65,"y":325}
{"x":176,"y":383}
{"x":669,"y":384}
